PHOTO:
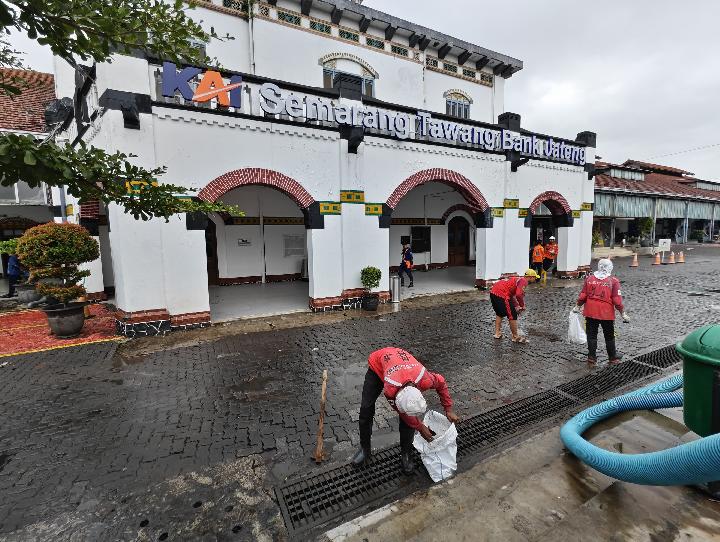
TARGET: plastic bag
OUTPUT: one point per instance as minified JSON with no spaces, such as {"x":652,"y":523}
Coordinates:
{"x":440,"y":455}
{"x":576,"y":330}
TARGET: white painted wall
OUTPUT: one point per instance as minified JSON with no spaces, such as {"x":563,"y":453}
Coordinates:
{"x":106,"y":256}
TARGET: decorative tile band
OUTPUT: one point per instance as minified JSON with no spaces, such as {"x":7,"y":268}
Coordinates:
{"x":522,"y":213}
{"x":373,"y":209}
{"x":352,"y":196}
{"x":498,"y":212}
{"x":417,"y":222}
{"x":330,"y":207}
{"x":134,"y":187}
{"x":576,"y":214}
{"x":587,"y":206}
{"x":511,"y":203}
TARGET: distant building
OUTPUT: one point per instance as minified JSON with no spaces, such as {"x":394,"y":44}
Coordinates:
{"x":680,"y":207}
{"x":340,"y":131}
{"x":22,"y":207}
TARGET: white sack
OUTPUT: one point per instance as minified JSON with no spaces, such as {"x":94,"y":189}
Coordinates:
{"x":576,"y":330}
{"x":440,"y":455}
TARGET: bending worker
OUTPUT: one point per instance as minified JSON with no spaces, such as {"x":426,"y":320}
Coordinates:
{"x":601,"y":296}
{"x":402,"y":379}
{"x":538,"y":256}
{"x":551,"y":254}
{"x":508,"y":298}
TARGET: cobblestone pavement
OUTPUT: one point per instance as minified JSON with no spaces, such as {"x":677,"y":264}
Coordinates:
{"x":91,"y":448}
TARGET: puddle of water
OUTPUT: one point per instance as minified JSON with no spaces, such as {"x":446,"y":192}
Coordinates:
{"x":539,"y":332}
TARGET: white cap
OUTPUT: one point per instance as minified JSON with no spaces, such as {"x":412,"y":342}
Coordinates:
{"x":410,"y":401}
{"x":552,"y":237}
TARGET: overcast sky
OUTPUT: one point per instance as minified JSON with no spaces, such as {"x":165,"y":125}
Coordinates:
{"x":642,"y":74}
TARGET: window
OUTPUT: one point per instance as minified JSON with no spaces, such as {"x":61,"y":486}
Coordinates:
{"x":431,"y":62}
{"x":457,"y":105}
{"x":449,"y":67}
{"x":469,"y":73}
{"x":629,"y":175}
{"x":367,"y":84}
{"x":320,"y":27}
{"x":372,"y":42}
{"x":289,"y":18}
{"x":402,"y":51}
{"x":351,"y":36}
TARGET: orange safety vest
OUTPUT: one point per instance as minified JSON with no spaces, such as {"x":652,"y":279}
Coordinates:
{"x":538,"y":254}
{"x":551,"y":251}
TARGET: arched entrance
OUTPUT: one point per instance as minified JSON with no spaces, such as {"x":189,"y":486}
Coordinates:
{"x":546,"y":214}
{"x":257,"y":262}
{"x":437,"y":212}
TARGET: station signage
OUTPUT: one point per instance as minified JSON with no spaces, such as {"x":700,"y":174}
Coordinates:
{"x":404,"y":126}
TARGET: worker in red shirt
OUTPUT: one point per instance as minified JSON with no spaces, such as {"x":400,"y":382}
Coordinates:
{"x":538,"y":256}
{"x":402,"y":378}
{"x":551,"y":254}
{"x":508,"y":298}
{"x":601,"y":296}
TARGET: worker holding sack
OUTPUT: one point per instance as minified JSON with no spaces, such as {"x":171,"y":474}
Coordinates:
{"x":600,"y":297}
{"x":402,"y":378}
{"x":406,"y":265}
{"x":508,"y":299}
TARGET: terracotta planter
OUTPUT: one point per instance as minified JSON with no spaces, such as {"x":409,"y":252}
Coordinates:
{"x":66,"y":321}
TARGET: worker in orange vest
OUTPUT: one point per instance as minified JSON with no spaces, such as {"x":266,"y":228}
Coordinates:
{"x":538,"y":257}
{"x":551,"y":254}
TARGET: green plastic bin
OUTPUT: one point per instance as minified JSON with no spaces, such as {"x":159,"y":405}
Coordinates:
{"x":701,"y":375}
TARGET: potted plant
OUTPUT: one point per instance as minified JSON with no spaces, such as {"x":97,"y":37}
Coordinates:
{"x":370,"y":278}
{"x":645,"y":226}
{"x":697,"y":235}
{"x":52,"y":253}
{"x":597,"y":239}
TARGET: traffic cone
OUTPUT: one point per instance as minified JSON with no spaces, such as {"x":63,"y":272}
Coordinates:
{"x":681,"y":257}
{"x":657,"y":259}
{"x":671,"y":261}
{"x":635,"y":261}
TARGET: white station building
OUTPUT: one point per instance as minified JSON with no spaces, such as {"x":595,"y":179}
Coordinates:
{"x":339,"y":131}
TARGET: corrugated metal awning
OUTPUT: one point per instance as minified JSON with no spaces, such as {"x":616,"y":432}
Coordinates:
{"x":700,"y":210}
{"x":603,"y":205}
{"x":671,"y":208}
{"x":633,"y":206}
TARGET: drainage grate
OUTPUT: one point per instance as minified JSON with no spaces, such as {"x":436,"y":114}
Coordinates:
{"x":607,"y":380}
{"x":663,"y":358}
{"x":490,"y":427}
{"x":343,"y":492}
{"x":321,"y":497}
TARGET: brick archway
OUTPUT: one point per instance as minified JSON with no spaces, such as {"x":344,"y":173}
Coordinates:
{"x":451,"y":178}
{"x":256,"y":176}
{"x":554,"y":201}
{"x":459,"y":207}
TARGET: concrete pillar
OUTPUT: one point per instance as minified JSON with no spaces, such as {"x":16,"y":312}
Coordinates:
{"x":612,"y":233}
{"x":516,"y":242}
{"x":489,"y":253}
{"x":569,"y":255}
{"x":325,"y":264}
{"x":95,"y":283}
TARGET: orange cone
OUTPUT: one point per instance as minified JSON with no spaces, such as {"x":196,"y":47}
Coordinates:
{"x":671,"y":261}
{"x":635,"y":261}
{"x":681,"y":257}
{"x":657,"y":259}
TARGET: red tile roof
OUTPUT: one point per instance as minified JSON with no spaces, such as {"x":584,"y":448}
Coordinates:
{"x":26,"y":111}
{"x":672,"y":186}
{"x":656,"y":167}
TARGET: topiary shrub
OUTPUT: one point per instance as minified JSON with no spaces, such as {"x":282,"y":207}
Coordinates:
{"x":370,"y":277}
{"x":52,"y":253}
{"x":8,"y":247}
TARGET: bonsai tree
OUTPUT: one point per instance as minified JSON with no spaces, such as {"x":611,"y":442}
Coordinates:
{"x":370,"y":277}
{"x":645,"y":226}
{"x":52,"y":253}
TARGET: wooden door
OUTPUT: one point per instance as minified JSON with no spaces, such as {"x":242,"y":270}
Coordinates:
{"x":211,"y":253}
{"x":458,"y":241}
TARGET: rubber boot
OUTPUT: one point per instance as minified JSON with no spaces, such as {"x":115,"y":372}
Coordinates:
{"x":402,"y":283}
{"x":410,"y":285}
{"x":591,"y":361}
{"x":408,"y":465}
{"x":361,"y":458}
{"x":615,"y":361}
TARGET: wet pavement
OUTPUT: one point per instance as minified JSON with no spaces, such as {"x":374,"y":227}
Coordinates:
{"x":85,"y":428}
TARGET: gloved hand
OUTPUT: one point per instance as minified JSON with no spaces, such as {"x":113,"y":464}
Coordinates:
{"x":625,"y":317}
{"x":577,"y":308}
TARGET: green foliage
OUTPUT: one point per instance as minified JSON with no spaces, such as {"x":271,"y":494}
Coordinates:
{"x":90,"y":173}
{"x":91,"y":30}
{"x":9,"y":246}
{"x":597,"y":238}
{"x":370,"y":277}
{"x":53,"y":251}
{"x":697,"y":235}
{"x":645,"y":226}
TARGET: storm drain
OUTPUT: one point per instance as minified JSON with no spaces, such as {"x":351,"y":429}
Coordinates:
{"x":321,"y":498}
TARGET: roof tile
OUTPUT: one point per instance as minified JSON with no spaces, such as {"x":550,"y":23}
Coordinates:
{"x":26,"y":111}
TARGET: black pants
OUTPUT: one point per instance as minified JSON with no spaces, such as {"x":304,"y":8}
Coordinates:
{"x":608,"y":327}
{"x":12,"y":281}
{"x":538,"y":267}
{"x":372,"y":388}
{"x":404,"y":269}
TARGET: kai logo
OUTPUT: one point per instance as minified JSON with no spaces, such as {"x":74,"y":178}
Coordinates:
{"x":211,"y":85}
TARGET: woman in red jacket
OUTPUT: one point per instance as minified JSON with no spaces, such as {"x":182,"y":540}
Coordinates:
{"x":508,"y":299}
{"x":601,"y":296}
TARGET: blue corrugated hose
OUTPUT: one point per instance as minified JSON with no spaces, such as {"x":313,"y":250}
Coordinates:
{"x":696,"y":462}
